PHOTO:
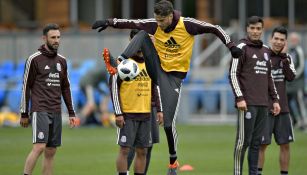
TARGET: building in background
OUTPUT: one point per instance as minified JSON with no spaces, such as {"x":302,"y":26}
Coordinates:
{"x":79,"y":14}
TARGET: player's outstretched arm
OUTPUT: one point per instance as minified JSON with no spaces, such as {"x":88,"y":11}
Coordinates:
{"x":101,"y":25}
{"x":197,"y":27}
{"x":235,"y":52}
{"x":149,"y":25}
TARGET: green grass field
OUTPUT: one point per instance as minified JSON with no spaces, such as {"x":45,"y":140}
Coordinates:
{"x":92,"y":151}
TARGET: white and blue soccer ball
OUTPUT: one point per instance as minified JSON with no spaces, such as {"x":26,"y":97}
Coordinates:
{"x":128,"y":69}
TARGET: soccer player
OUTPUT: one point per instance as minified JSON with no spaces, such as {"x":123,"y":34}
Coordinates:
{"x":252,"y":85}
{"x":280,"y":125}
{"x":168,"y":60}
{"x":45,"y":81}
{"x":132,"y":102}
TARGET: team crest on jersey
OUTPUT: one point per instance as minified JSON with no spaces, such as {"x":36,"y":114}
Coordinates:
{"x":58,"y":67}
{"x":40,"y":135}
{"x":266,"y":57}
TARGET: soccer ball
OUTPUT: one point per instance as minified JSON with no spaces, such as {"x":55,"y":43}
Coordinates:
{"x":128,"y":69}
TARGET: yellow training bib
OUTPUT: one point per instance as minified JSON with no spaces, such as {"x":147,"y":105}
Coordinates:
{"x":174,"y":48}
{"x":135,"y":95}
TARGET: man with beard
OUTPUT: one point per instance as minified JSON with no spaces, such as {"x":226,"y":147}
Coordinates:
{"x":45,"y":81}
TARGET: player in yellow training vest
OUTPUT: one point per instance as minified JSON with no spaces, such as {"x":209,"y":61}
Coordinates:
{"x":168,"y":60}
{"x":133,"y":102}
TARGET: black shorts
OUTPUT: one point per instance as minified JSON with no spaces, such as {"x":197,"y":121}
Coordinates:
{"x":281,"y":127}
{"x":135,"y":134}
{"x":47,"y":128}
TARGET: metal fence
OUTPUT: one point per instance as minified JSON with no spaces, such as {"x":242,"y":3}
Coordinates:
{"x":206,"y":103}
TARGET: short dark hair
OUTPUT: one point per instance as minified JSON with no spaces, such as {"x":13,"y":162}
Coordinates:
{"x":133,"y":32}
{"x":254,"y":20}
{"x":50,"y":26}
{"x":280,"y":29}
{"x":163,"y":8}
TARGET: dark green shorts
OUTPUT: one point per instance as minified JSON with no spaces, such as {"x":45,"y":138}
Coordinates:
{"x":135,"y":134}
{"x":47,"y":128}
{"x":281,"y":127}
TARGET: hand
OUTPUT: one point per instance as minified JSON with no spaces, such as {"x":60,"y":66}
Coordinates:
{"x":241,"y":105}
{"x":236,"y":52}
{"x":285,"y":49}
{"x":101,"y":24}
{"x":24,"y":122}
{"x":74,"y":121}
{"x":160,"y":118}
{"x":118,"y":60}
{"x":120,"y":122}
{"x":276,"y":109}
{"x":152,"y":37}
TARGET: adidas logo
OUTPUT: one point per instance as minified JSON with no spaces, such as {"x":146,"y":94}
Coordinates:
{"x":143,"y":73}
{"x":143,"y":76}
{"x":47,"y":67}
{"x":171,"y":43}
{"x":254,"y":56}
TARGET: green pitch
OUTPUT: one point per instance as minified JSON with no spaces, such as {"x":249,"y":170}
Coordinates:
{"x":89,"y":151}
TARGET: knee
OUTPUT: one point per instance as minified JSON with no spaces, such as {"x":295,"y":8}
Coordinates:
{"x":50,"y":152}
{"x":263,"y":148}
{"x":284,"y":147}
{"x":141,"y":152}
{"x":143,"y":33}
{"x":246,"y":142}
{"x":38,"y":148}
{"x":124,"y":151}
{"x":167,"y":127}
{"x":254,"y":145}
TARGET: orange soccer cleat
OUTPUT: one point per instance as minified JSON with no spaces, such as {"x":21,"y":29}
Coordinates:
{"x":172,"y":168}
{"x":107,"y":60}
